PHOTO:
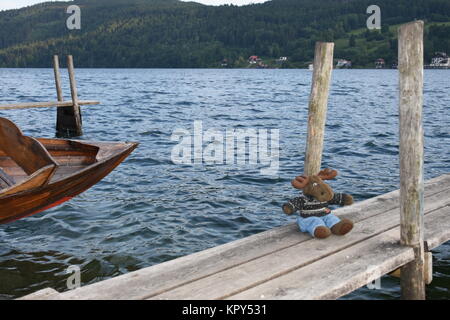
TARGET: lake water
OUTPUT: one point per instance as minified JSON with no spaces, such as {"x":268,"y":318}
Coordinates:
{"x":150,"y":210}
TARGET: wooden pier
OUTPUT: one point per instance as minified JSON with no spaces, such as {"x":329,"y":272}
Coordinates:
{"x":284,"y":263}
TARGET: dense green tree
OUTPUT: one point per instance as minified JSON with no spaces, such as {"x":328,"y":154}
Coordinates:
{"x":352,"y":41}
{"x":171,"y":33}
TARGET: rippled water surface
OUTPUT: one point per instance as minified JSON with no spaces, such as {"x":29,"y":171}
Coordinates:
{"x":150,"y":210}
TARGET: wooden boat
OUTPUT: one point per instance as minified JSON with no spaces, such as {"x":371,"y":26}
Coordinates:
{"x":38,"y":174}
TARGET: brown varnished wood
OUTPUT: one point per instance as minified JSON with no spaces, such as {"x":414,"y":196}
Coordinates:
{"x":5,"y":180}
{"x":75,"y":167}
{"x":27,"y":152}
{"x":37,"y":179}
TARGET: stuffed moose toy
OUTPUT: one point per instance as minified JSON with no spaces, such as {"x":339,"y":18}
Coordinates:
{"x":314,"y":215}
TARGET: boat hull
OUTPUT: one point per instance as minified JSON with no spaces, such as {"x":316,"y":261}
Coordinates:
{"x":30,"y":202}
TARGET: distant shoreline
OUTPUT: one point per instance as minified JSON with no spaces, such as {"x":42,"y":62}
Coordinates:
{"x":196,"y":68}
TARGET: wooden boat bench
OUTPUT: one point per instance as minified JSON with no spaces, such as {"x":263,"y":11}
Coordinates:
{"x":29,"y":154}
{"x":6,"y":180}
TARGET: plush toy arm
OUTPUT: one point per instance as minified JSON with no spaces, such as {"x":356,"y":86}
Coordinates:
{"x":293,"y":205}
{"x":341,"y":199}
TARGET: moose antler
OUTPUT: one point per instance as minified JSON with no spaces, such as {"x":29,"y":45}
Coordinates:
{"x":300,"y":182}
{"x":327,"y":174}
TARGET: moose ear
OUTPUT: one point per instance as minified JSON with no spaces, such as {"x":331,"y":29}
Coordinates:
{"x":327,"y":174}
{"x":300,"y":182}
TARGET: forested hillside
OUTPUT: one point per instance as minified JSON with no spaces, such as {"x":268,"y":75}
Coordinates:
{"x":170,"y":33}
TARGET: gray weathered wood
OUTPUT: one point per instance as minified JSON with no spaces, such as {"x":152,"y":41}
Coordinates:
{"x":439,"y":235}
{"x":345,"y":271}
{"x":338,"y":274}
{"x":318,"y":101}
{"x":61,"y":113}
{"x":428,"y":269}
{"x":57,"y":74}
{"x":250,"y":274}
{"x":47,"y":104}
{"x":44,"y":294}
{"x":72,"y":123}
{"x":410,"y":51}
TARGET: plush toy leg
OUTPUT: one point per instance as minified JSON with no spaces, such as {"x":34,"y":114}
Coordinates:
{"x":322,"y":232}
{"x":342,"y":227}
{"x":314,"y":226}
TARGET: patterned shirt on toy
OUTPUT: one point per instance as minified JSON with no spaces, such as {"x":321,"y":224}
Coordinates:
{"x":310,"y":207}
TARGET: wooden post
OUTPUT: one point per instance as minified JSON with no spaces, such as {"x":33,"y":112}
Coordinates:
{"x":77,"y":129}
{"x":410,"y":51}
{"x":57,"y":78}
{"x":61,"y":113}
{"x":428,"y":269}
{"x":69,"y":122}
{"x":323,"y":66}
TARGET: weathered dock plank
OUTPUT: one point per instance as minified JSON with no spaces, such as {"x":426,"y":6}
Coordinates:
{"x":438,"y":233}
{"x":337,"y":274}
{"x":346,"y":271}
{"x":247,"y":263}
{"x":44,"y":294}
{"x":48,"y":104}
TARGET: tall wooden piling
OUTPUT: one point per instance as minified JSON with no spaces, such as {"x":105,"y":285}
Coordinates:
{"x":69,"y":122}
{"x":411,"y":156}
{"x":61,"y":113}
{"x":323,"y":66}
{"x":77,"y":129}
{"x":59,"y":93}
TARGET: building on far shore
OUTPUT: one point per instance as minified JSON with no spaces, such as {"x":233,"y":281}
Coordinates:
{"x":343,"y":64}
{"x":254,"y":59}
{"x":380,"y":63}
{"x":281,"y":60}
{"x":439,"y":61}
